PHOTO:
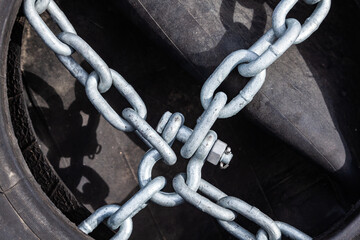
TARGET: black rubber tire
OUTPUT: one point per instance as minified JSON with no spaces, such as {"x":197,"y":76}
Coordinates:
{"x":25,"y":211}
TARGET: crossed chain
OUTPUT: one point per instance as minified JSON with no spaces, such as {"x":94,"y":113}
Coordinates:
{"x":201,"y":143}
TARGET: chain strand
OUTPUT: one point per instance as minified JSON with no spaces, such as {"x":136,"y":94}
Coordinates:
{"x":200,"y":144}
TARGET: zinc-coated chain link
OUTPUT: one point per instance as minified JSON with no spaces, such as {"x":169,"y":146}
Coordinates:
{"x":103,"y":213}
{"x":200,"y":144}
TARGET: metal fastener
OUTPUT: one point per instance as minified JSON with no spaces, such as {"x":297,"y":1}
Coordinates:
{"x":220,"y":152}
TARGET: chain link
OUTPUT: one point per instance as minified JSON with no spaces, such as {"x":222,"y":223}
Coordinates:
{"x":200,"y":144}
{"x":253,"y":214}
{"x":311,"y":24}
{"x":43,"y":30}
{"x":99,"y":65}
{"x":273,"y":51}
{"x":220,"y":74}
{"x":286,"y":230}
{"x":125,"y":89}
{"x":88,"y":225}
{"x":150,"y":135}
{"x":136,"y":203}
{"x":204,"y":124}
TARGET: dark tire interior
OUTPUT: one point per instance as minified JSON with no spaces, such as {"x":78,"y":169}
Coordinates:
{"x":82,"y":163}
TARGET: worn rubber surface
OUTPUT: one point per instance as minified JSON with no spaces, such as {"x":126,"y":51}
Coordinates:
{"x":267,"y":173}
{"x":25,"y":211}
{"x":306,"y":99}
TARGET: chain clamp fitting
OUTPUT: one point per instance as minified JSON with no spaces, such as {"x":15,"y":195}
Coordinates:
{"x":200,"y":144}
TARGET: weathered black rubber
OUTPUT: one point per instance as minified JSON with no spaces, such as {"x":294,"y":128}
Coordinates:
{"x":25,"y":210}
{"x":308,"y":98}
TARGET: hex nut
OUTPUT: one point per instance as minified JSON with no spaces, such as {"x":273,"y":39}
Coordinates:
{"x":216,"y":152}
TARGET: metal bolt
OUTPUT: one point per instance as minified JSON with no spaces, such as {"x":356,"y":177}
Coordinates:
{"x":226,"y":158}
{"x":220,"y":152}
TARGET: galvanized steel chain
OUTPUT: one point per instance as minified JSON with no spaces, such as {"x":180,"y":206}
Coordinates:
{"x":201,"y":143}
{"x":225,"y":209}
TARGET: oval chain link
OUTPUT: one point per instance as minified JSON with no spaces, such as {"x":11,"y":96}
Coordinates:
{"x":125,"y":89}
{"x":43,"y":30}
{"x":253,"y":214}
{"x":88,"y":225}
{"x":287,"y":230}
{"x":274,"y":51}
{"x":203,"y":126}
{"x":311,"y":24}
{"x":99,"y":65}
{"x":150,"y":135}
{"x":136,"y":203}
{"x":219,"y":75}
{"x":201,"y":202}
